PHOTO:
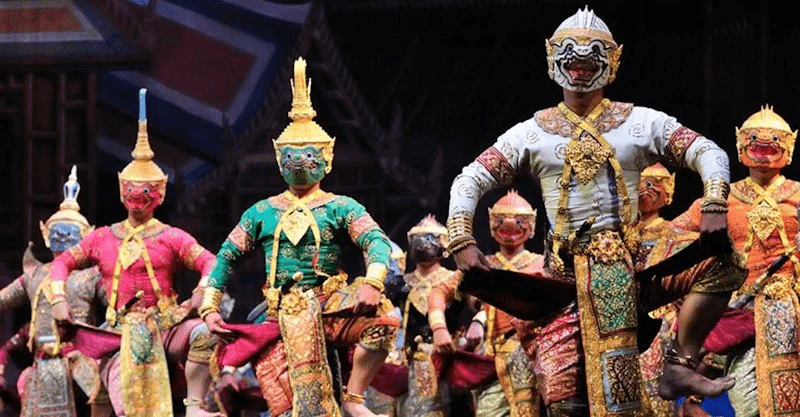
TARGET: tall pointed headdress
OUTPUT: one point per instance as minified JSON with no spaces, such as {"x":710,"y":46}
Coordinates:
{"x":142,"y":168}
{"x":512,"y":204}
{"x":69,"y":210}
{"x":303,"y":130}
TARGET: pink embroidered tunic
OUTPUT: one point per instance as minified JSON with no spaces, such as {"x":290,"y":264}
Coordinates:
{"x":168,"y":248}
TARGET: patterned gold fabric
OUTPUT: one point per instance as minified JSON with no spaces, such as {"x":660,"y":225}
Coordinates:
{"x":143,"y":364}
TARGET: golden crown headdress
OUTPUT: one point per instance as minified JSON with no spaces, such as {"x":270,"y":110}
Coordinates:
{"x":69,"y":210}
{"x":512,"y":204}
{"x":428,"y":225}
{"x":142,"y":168}
{"x":303,"y":131}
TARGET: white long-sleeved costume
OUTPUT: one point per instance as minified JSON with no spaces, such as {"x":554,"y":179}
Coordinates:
{"x":639,"y":136}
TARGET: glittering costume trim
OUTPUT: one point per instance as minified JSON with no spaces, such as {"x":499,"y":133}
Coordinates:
{"x":303,"y":338}
{"x":515,"y":372}
{"x":777,"y":358}
{"x":361,"y":225}
{"x":678,"y":143}
{"x":241,"y":239}
{"x":424,"y":393}
{"x":143,"y":369}
{"x":552,"y":121}
{"x":607,"y":307}
{"x":496,"y":163}
{"x":50,"y":390}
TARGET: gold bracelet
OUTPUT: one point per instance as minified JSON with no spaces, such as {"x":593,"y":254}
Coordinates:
{"x":436,"y":319}
{"x":715,"y":191}
{"x":458,"y":226}
{"x":456,"y":245}
{"x":211,"y":299}
{"x":377,"y":271}
{"x":372,"y":282}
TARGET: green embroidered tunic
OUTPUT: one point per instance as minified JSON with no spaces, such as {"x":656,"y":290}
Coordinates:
{"x":334,"y":215}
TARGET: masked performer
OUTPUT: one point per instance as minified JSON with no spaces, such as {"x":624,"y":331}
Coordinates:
{"x":427,"y":396}
{"x":587,"y":153}
{"x":656,"y":188}
{"x":48,"y":384}
{"x":302,"y":233}
{"x":763,"y":224}
{"x":511,"y":221}
{"x":141,"y":254}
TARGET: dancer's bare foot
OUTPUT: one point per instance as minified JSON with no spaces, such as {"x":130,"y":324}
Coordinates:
{"x":679,"y":381}
{"x":353,"y":409}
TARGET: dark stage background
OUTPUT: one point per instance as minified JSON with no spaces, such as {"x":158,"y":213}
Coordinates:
{"x":412,"y":90}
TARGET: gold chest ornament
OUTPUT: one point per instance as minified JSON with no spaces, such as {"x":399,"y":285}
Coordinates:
{"x":129,"y":253}
{"x":764,"y":219}
{"x":586,"y":155}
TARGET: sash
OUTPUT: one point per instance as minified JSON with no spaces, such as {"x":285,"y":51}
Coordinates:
{"x":303,"y":334}
{"x":143,"y":368}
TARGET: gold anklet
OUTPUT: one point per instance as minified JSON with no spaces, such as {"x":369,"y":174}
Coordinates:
{"x":353,"y":398}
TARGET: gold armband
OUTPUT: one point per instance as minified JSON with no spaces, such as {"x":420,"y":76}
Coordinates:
{"x":57,"y":292}
{"x":436,"y":320}
{"x":210,"y":304}
{"x":715,"y":193}
{"x":459,"y":229}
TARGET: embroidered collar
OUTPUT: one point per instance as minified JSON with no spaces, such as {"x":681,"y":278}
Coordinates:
{"x":553,"y":121}
{"x":745,"y":192}
{"x":154,"y":227}
{"x":285,"y":200}
{"x":518,"y":262}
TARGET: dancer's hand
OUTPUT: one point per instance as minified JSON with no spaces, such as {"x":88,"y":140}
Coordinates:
{"x":711,"y":222}
{"x":470,"y":258}
{"x":368,"y":299}
{"x":214,"y":322}
{"x":442,"y":341}
{"x":475,"y":334}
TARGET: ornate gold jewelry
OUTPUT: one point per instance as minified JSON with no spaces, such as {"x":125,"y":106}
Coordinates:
{"x":436,"y":320}
{"x":607,"y":247}
{"x":378,"y":285}
{"x":334,"y":283}
{"x":353,"y":398}
{"x":211,"y":299}
{"x":377,"y":271}
{"x":671,"y":356}
{"x":192,"y":402}
{"x":586,"y":156}
{"x":303,"y":131}
{"x":715,"y":192}
{"x":273,"y":297}
{"x":459,"y":229}
{"x":294,"y":302}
